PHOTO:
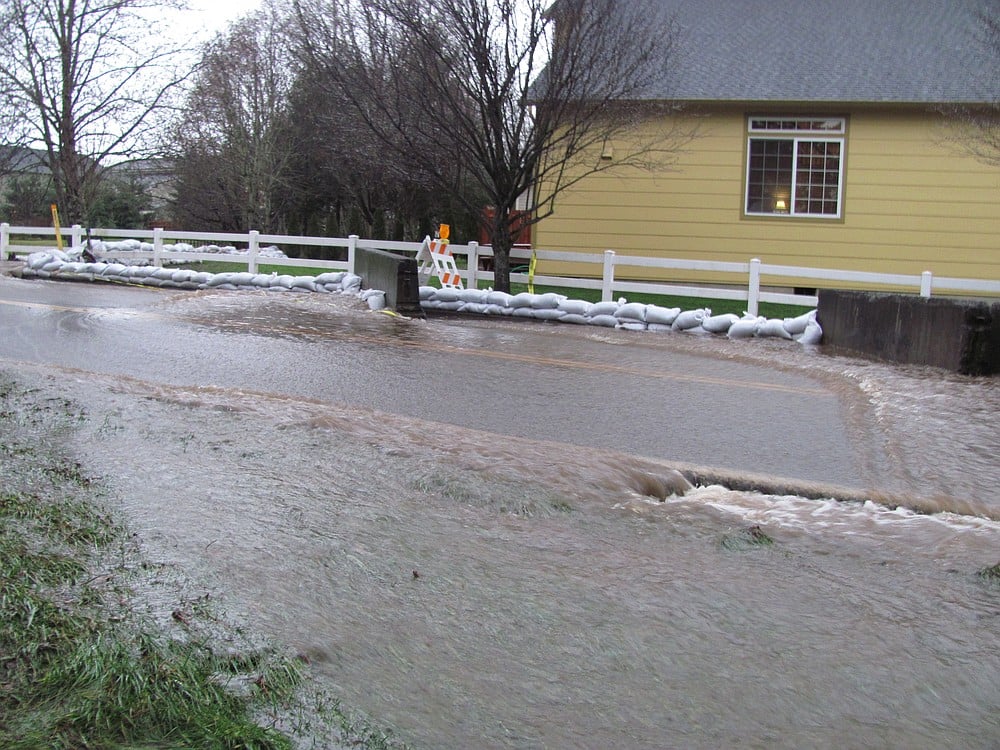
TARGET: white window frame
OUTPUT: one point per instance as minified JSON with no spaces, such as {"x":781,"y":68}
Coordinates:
{"x":798,"y":130}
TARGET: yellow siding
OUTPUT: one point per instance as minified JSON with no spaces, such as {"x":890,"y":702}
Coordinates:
{"x":911,"y":203}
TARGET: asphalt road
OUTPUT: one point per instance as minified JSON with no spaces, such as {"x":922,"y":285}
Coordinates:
{"x":664,"y":396}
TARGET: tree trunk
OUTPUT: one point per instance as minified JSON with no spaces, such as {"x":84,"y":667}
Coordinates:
{"x":502,"y":241}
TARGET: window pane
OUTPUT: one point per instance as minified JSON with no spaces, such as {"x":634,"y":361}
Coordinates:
{"x":769,"y":178}
{"x":817,"y":172}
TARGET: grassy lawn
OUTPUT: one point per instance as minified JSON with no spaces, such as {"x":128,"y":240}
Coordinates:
{"x":84,"y":663}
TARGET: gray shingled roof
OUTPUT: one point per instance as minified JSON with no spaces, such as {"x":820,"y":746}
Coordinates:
{"x":916,"y":51}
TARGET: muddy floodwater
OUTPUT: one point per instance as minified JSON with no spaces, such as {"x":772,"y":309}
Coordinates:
{"x":475,"y":591}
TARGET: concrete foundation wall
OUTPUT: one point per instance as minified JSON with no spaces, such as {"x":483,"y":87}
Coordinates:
{"x":396,"y":275}
{"x":958,"y":335}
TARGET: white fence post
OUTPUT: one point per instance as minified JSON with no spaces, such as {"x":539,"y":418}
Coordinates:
{"x":926,"y":279}
{"x":608,"y":278}
{"x":753,"y":293}
{"x":76,"y":235}
{"x":352,"y":246}
{"x":253,"y":250}
{"x":472,"y":276}
{"x":157,"y":247}
{"x":4,"y":240}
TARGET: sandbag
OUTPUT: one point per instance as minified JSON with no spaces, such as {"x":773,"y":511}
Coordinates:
{"x":137,"y":274}
{"x":350,"y":283}
{"x":446,"y":295}
{"x":719,"y":323}
{"x":812,"y":335}
{"x":575,"y":306}
{"x":631,"y":311}
{"x":689,"y":319}
{"x":36,"y":260}
{"x":547,"y":313}
{"x":502,"y":299}
{"x":114,"y":269}
{"x":608,"y":321}
{"x":477,"y":296}
{"x":521,"y":300}
{"x":744,"y":329}
{"x":168,"y":274}
{"x":201,"y":277}
{"x":661,"y":315}
{"x":775,"y":328}
{"x":337,"y":277}
{"x":547,"y":301}
{"x":603,"y":308}
{"x":798,"y":324}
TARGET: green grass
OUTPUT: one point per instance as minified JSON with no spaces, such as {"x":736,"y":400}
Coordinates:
{"x":717,"y":306}
{"x":83,"y":661}
{"x":221,"y":266}
{"x":79,"y":670}
{"x":991,"y":573}
{"x":748,"y":538}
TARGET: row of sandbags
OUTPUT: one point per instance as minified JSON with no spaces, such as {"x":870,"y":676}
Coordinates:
{"x":557,"y":307}
{"x":620,"y":314}
{"x":55,"y":265}
{"x":101,"y":247}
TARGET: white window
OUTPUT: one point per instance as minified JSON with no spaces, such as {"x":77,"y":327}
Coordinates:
{"x":795,"y":166}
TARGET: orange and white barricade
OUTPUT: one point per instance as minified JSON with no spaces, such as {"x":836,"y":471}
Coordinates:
{"x":435,"y":256}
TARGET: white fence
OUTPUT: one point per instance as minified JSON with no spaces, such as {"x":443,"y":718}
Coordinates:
{"x":747,"y":278}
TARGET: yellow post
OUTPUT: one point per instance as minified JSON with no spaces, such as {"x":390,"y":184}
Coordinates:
{"x":55,"y":223}
{"x":531,"y":272}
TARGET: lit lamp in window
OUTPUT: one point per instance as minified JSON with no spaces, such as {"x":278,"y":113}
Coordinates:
{"x":780,"y":207}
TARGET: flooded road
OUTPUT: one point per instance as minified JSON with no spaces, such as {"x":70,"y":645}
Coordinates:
{"x":527,"y":590}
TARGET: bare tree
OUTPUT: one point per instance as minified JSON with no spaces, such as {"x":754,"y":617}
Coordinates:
{"x":233,"y":139}
{"x":977,"y":130}
{"x":86,"y":78}
{"x":986,"y":120}
{"x":376,"y":190}
{"x":522,"y":97}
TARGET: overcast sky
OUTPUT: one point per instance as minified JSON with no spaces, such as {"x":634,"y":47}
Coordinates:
{"x":213,"y":15}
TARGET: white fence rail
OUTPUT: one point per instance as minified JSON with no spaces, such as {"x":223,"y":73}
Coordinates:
{"x":747,"y":278}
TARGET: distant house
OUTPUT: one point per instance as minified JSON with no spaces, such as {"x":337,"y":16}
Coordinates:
{"x":157,"y":179}
{"x":825,"y":141}
{"x":26,"y":190}
{"x":25,"y":186}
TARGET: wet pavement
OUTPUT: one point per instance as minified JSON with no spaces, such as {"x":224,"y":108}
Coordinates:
{"x":696,"y":403}
{"x":459,"y":521}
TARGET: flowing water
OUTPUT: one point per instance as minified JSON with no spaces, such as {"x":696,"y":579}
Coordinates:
{"x":475,"y":591}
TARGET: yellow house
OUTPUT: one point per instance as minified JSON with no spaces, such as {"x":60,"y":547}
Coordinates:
{"x":826,"y":138}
